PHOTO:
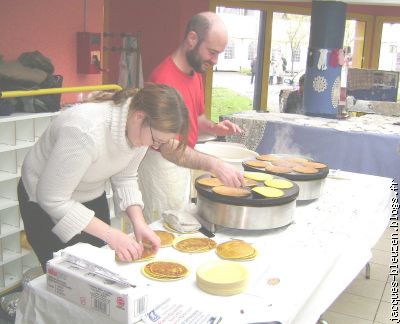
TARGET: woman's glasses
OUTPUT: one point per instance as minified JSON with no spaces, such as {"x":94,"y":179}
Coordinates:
{"x":156,"y":142}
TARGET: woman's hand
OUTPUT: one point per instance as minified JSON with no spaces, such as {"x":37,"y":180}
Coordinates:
{"x":125,"y":247}
{"x":143,"y":233}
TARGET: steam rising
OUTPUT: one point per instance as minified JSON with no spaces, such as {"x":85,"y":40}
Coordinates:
{"x":283,"y":143}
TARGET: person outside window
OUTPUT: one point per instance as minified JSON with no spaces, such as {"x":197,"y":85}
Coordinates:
{"x":254,"y":67}
{"x":294,"y":102}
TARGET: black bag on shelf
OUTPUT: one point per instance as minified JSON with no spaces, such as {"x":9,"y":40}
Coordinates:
{"x":33,"y":104}
{"x":31,"y":71}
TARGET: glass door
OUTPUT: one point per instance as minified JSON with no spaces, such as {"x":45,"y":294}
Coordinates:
{"x":289,"y":47}
{"x":237,"y":75}
{"x":389,"y":58}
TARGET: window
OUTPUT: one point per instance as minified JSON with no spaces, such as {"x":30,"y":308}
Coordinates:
{"x":229,"y":52}
{"x":296,"y":55}
{"x":251,"y":53}
{"x":390,"y":47}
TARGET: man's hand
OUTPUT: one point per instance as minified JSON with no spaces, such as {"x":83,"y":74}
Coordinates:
{"x":226,"y":127}
{"x":228,"y":174}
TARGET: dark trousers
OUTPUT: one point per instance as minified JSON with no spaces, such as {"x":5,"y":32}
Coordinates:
{"x":38,"y":225}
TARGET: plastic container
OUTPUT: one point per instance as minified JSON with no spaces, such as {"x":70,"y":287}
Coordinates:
{"x":232,"y":153}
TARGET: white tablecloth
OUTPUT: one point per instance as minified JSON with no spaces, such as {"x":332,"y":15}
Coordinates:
{"x":315,"y":258}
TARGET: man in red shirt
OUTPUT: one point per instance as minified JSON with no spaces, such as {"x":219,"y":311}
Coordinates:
{"x":205,"y":38}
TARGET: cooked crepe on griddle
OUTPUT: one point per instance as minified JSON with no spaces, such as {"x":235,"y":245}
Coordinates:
{"x":278,"y":183}
{"x":315,"y":165}
{"x":267,"y":157}
{"x":236,"y":250}
{"x":257,"y":176}
{"x":297,"y":159}
{"x":285,"y":163}
{"x":269,"y":192}
{"x":256,"y":163}
{"x":250,"y":183}
{"x":305,"y":169}
{"x":232,"y":191}
{"x":278,"y":169}
{"x":194,"y":244}
{"x":166,"y":238}
{"x":209,"y":182}
{"x":165,"y":270}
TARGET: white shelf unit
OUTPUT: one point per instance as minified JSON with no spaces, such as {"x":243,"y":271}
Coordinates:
{"x":18,"y":133}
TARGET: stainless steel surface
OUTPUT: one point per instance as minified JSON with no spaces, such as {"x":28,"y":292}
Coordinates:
{"x":310,"y":189}
{"x":244,"y":217}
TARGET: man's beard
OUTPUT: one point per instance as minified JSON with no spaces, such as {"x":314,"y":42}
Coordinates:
{"x":194,"y":59}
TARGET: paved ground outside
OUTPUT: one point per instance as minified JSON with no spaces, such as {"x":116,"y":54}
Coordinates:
{"x":241,"y":84}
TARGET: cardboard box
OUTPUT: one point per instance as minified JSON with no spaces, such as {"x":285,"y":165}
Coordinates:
{"x":124,"y":304}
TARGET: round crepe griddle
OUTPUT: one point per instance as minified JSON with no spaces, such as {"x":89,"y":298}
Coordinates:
{"x":253,"y":200}
{"x":293,"y":175}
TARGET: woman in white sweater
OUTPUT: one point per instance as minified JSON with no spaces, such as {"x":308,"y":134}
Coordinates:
{"x":62,"y":190}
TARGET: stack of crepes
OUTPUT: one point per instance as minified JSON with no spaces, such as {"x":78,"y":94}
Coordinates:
{"x":165,"y":270}
{"x":182,"y":221}
{"x":223,"y":278}
{"x":194,"y":244}
{"x":236,"y":250}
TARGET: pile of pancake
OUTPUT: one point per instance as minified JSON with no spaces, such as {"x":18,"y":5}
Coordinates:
{"x":165,"y":270}
{"x":166,"y":238}
{"x":223,"y":278}
{"x":147,"y":254}
{"x":285,"y":164}
{"x":236,"y":250}
{"x":194,"y":244}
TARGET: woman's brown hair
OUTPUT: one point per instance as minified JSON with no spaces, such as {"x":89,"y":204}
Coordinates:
{"x":162,"y":104}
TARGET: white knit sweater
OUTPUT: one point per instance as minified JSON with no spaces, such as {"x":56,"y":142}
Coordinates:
{"x":81,"y":149}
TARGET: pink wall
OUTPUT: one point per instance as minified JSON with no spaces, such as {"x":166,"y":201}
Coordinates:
{"x":50,"y":27}
{"x":161,"y":23}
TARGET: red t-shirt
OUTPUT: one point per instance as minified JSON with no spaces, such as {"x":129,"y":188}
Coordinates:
{"x":189,"y":86}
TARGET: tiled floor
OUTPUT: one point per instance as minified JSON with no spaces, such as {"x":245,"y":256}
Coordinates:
{"x":367,"y":301}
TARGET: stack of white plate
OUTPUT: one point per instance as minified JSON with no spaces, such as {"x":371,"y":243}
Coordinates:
{"x":223,"y":278}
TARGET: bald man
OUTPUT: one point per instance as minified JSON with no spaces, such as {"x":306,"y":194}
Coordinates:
{"x":163,"y":184}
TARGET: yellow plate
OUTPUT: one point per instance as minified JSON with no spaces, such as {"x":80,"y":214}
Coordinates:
{"x":257,"y":176}
{"x":269,"y":192}
{"x":278,"y":183}
{"x":165,"y":278}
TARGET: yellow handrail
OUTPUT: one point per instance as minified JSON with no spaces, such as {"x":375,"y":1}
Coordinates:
{"x":38,"y":92}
